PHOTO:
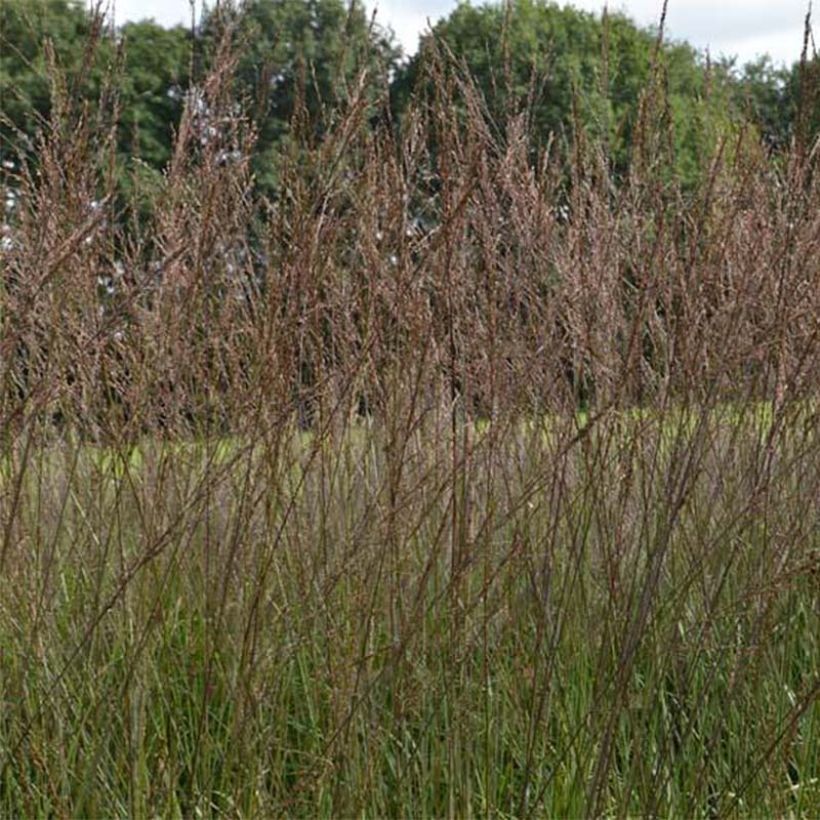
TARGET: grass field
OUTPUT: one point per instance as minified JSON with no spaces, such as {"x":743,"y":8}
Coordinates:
{"x":470,"y":476}
{"x":510,"y":623}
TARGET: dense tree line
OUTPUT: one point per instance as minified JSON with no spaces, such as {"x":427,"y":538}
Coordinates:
{"x":297,"y":59}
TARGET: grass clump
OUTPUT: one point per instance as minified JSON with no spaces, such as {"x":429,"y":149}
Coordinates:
{"x":410,"y":492}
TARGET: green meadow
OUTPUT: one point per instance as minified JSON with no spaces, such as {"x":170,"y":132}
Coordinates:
{"x":550,"y":619}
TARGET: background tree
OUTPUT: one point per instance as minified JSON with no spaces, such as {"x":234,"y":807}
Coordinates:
{"x":802,"y":93}
{"x":763,"y":91}
{"x":306,"y":55}
{"x":577,"y":62}
{"x":25,"y":88}
{"x":149,"y":81}
{"x":152,"y":89}
{"x":301,"y":52}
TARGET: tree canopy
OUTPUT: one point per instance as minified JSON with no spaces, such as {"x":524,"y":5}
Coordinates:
{"x":578,"y":65}
{"x":25,"y":30}
{"x":570,"y":67}
{"x":152,"y":89}
{"x":300,"y":52}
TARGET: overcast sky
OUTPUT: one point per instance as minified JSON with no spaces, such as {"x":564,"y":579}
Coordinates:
{"x":745,"y":28}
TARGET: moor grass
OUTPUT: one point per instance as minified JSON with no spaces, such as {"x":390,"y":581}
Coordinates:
{"x":460,"y":479}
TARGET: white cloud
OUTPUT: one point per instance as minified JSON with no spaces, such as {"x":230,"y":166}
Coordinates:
{"x":165,"y":12}
{"x":745,"y":28}
{"x":410,"y":19}
{"x":742,"y":27}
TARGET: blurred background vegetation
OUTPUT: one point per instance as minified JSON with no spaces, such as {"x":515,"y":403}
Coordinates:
{"x":570,"y":70}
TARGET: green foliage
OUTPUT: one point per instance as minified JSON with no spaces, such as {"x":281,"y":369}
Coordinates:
{"x":301,"y":57}
{"x":452,"y":595}
{"x":187,"y":636}
{"x":147,"y":77}
{"x":294,"y":55}
{"x":584,"y":71}
{"x":26,"y":28}
{"x":505,"y":48}
{"x":152,"y":88}
{"x":771,"y":97}
{"x":766,"y":92}
{"x":803,"y":95}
